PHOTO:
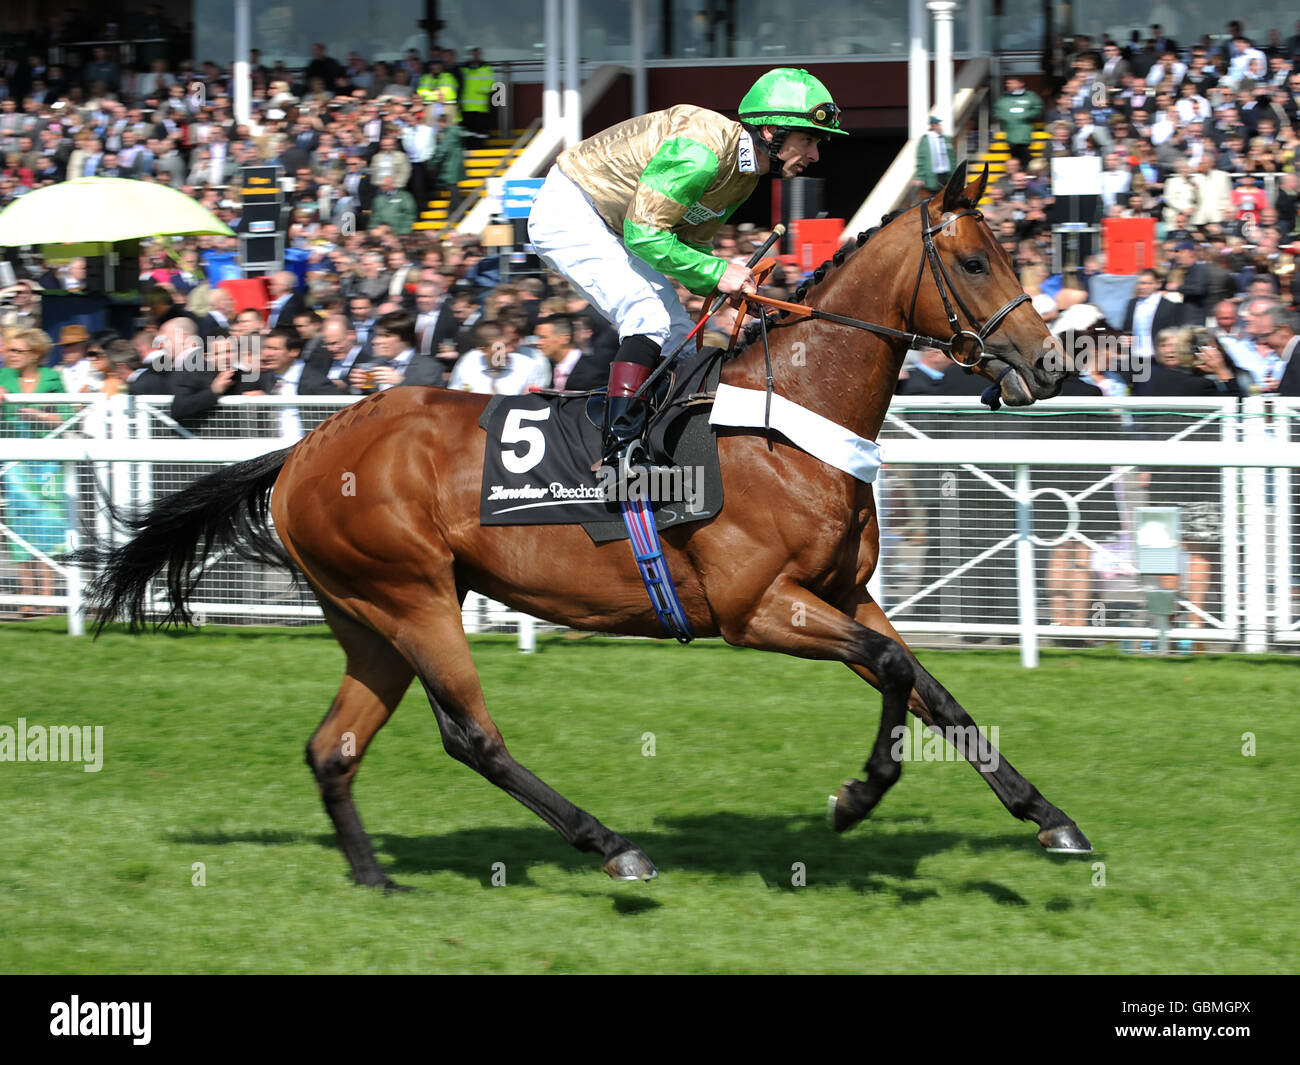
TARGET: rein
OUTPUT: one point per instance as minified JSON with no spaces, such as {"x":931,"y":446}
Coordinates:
{"x":798,"y":311}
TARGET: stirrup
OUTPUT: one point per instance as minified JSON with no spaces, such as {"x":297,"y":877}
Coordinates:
{"x":622,"y":455}
{"x":632,"y":457}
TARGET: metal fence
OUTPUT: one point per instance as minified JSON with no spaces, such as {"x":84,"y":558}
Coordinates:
{"x":1013,"y":527}
{"x":1023,"y":524}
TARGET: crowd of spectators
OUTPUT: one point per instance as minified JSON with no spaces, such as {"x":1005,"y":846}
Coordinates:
{"x":371,"y":301}
{"x":357,"y":141}
{"x":1202,"y":138}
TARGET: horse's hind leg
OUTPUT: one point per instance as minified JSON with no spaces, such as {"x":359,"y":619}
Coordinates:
{"x":446,"y":668}
{"x":377,"y":678}
{"x":934,"y":705}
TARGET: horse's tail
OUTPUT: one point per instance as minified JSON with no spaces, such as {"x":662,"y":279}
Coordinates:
{"x":225,"y":509}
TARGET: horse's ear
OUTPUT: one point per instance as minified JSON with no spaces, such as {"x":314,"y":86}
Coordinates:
{"x":955,"y":189}
{"x":975,"y":191}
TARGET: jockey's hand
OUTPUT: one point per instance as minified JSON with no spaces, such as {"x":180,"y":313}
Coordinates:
{"x":737,"y":279}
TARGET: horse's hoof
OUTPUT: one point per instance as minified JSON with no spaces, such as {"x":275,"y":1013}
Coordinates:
{"x":382,"y":882}
{"x":840,"y":812}
{"x":1064,"y":839}
{"x":631,"y":865}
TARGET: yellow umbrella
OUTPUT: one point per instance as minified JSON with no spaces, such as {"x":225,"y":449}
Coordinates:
{"x":104,"y":211}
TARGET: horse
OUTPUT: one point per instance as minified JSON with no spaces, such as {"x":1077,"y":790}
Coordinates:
{"x":378,"y":510}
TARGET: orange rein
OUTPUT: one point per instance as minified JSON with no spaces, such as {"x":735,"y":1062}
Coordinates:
{"x":762,"y":270}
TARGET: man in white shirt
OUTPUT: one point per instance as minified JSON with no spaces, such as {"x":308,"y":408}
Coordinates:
{"x":1243,"y":54}
{"x":218,"y":153}
{"x":1230,"y":334}
{"x":1191,"y":105}
{"x":1164,"y":120}
{"x":1115,"y":181}
{"x":1148,"y":313}
{"x":493,"y":369}
{"x":1167,"y":66}
{"x":418,"y":139}
{"x":281,"y":371}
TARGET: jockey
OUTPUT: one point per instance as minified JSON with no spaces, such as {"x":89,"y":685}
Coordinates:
{"x":643,"y":199}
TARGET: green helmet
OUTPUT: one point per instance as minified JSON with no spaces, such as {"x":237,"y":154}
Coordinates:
{"x":791,"y":99}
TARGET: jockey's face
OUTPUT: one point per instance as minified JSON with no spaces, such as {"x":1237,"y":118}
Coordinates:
{"x":798,"y":153}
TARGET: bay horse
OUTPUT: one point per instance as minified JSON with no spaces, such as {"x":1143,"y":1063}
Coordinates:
{"x":378,"y":508}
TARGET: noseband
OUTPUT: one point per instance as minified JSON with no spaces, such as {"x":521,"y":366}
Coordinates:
{"x":940,"y":274}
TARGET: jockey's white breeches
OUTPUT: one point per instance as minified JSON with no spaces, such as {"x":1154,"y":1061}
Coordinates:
{"x":571,"y":238}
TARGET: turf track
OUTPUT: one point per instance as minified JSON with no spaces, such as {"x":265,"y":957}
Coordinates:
{"x":203,"y":744}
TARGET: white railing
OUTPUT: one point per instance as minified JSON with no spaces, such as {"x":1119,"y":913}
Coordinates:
{"x":1016,"y":526}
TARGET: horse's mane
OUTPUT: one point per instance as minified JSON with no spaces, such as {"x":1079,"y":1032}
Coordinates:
{"x":774,"y":318}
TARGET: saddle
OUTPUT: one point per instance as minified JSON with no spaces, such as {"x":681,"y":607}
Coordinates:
{"x":537,"y":463}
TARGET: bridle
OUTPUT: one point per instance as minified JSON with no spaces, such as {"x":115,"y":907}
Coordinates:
{"x":960,"y":337}
{"x":940,"y":274}
{"x":930,"y":254}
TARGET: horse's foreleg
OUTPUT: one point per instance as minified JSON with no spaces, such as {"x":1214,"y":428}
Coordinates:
{"x":446,"y":668}
{"x":792,"y":620}
{"x":934,"y":705}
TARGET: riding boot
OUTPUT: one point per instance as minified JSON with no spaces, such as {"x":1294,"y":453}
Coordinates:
{"x":625,"y":416}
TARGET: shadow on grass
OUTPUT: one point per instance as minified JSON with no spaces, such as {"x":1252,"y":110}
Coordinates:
{"x":723,"y":844}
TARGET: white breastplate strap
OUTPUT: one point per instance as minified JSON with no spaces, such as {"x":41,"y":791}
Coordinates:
{"x":820,"y":437}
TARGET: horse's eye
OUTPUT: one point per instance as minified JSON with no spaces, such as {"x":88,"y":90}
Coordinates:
{"x":973,"y":266}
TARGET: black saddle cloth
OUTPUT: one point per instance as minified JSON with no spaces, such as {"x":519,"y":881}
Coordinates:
{"x":537,"y":463}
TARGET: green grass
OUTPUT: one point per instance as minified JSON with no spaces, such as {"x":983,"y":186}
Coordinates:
{"x":203,"y":762}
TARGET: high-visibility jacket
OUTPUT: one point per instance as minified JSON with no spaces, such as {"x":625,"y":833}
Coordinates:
{"x":437,"y":88}
{"x":477,"y":89}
